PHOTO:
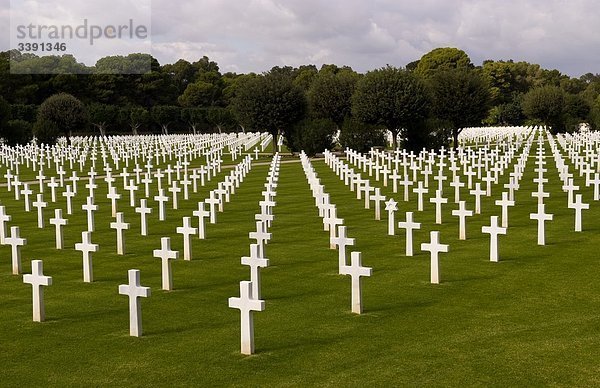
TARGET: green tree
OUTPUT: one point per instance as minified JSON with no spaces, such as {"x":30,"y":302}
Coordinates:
{"x":204,"y":64}
{"x":130,"y":64}
{"x":153,"y":88}
{"x":46,"y":131}
{"x":199,"y":93}
{"x":546,"y":104}
{"x":5,"y":111}
{"x":594,"y":115}
{"x":63,"y":112}
{"x":194,"y":118}
{"x":23,"y":112}
{"x":305,"y":77}
{"x":441,"y":59}
{"x":394,"y":98}
{"x":16,"y":132}
{"x":461,"y":98}
{"x":164,"y":116}
{"x":221,"y":118}
{"x":102,"y":115}
{"x":51,"y":64}
{"x":510,"y":113}
{"x":330,"y":95}
{"x":576,"y":111}
{"x":136,"y":117}
{"x":311,"y":135}
{"x":361,"y":136}
{"x":269,"y":102}
{"x":182,"y":74}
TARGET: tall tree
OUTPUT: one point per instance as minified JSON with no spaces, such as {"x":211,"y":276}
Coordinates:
{"x":269,"y":102}
{"x":182,"y":74}
{"x":461,"y":98}
{"x":199,"y":93}
{"x":330,"y":95}
{"x":546,"y":104}
{"x":441,"y":59}
{"x":165,"y":115}
{"x":392,"y":97}
{"x":311,"y":135}
{"x":102,"y":115}
{"x":193,"y":117}
{"x":134,"y":116}
{"x":63,"y":113}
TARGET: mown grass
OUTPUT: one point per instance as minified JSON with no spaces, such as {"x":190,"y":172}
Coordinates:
{"x":530,"y":319}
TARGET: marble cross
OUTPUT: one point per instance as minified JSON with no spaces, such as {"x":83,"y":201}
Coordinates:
{"x":37,"y":279}
{"x":86,"y":248}
{"x":247,"y":304}
{"x":58,"y":221}
{"x":166,"y":255}
{"x":356,"y":271}
{"x":493,"y":230}
{"x":434,"y":247}
{"x":134,"y":291}
{"x":409,"y":225}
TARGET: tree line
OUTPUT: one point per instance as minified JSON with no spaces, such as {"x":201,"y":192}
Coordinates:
{"x":423,"y":104}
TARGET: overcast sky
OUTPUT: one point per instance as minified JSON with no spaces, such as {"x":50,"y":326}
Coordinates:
{"x":255,"y":35}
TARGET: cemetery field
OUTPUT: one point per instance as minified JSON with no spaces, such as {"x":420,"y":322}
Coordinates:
{"x":530,"y":319}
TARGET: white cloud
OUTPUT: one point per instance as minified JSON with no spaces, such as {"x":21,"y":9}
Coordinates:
{"x":254,"y":35}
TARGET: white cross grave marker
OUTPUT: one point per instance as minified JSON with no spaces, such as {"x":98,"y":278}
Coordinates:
{"x":391,"y":206}
{"x":120,"y":225}
{"x":201,"y":214}
{"x":134,"y":290}
{"x":493,"y":230}
{"x":187,"y":231}
{"x":90,"y":208}
{"x":578,"y":206}
{"x":438,"y":200}
{"x":39,"y":204}
{"x":261,"y":236}
{"x":356,"y":271}
{"x":377,"y":198}
{"x":541,"y":217}
{"x":409,"y":225}
{"x":86,"y":248}
{"x":37,"y":280}
{"x":505,"y":203}
{"x":434,"y":247}
{"x":462,"y":213}
{"x":15,"y":241}
{"x":247,"y":304}
{"x":26,"y":192}
{"x":166,"y":255}
{"x":69,"y":194}
{"x":4,"y":218}
{"x":113,"y":196}
{"x":255,"y":262}
{"x":478,"y":193}
{"x":58,"y":221}
{"x":162,"y":199}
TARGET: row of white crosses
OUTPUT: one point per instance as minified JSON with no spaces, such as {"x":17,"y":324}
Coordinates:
{"x":434,"y":246}
{"x":215,"y":202}
{"x":86,"y":246}
{"x":134,"y":290}
{"x":345,"y":172}
{"x":71,"y":190}
{"x":121,"y":149}
{"x":337,"y":235}
{"x":250,"y":295}
{"x":574,"y":200}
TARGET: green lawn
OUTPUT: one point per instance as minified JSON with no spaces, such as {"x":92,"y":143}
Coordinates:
{"x":531,"y":319}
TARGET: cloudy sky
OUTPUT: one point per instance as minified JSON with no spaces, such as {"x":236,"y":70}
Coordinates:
{"x":254,"y":35}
